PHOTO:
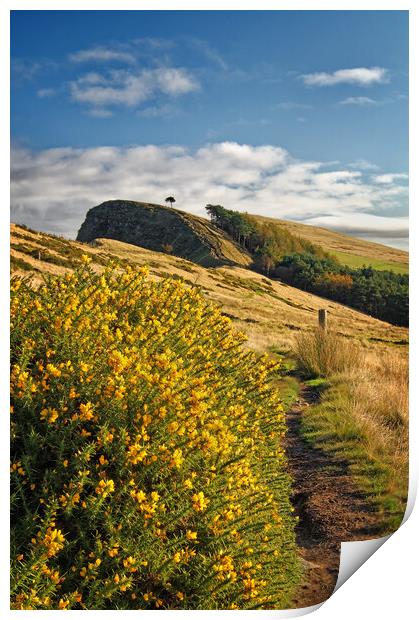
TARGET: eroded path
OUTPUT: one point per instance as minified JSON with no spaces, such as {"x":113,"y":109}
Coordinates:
{"x":330,"y":508}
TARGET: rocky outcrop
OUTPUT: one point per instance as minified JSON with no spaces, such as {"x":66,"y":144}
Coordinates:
{"x":160,"y":228}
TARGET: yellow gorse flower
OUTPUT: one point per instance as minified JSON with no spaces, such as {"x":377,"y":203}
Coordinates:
{"x":199,"y":501}
{"x":50,"y":415}
{"x":53,"y":541}
{"x":105,"y":487}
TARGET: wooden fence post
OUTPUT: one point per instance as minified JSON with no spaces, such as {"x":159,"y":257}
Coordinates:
{"x":323,"y":319}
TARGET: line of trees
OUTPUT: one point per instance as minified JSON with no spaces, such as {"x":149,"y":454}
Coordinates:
{"x":382,"y":294}
{"x":267,"y":243}
{"x":279,"y":253}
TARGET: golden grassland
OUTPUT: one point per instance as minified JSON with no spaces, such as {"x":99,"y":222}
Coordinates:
{"x":268,"y":311}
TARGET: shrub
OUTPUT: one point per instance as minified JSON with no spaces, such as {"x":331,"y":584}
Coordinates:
{"x":167,"y":248}
{"x":147,"y":462}
{"x":323,"y":353}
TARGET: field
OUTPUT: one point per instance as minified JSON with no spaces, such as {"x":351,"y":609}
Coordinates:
{"x":356,"y":261}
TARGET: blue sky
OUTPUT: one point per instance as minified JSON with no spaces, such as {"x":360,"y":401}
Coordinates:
{"x":294,"y":114}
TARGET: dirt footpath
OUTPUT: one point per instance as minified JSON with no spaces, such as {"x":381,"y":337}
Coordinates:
{"x":329,"y":507}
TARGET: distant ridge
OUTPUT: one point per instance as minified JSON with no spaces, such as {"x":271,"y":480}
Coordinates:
{"x":159,"y":228}
{"x":344,"y":246}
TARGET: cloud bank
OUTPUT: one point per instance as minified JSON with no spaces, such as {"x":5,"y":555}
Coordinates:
{"x":51,"y":190}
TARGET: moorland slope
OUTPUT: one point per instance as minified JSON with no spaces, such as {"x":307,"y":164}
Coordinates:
{"x":268,"y":311}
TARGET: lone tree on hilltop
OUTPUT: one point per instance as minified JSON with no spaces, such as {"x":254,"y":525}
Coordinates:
{"x":169,"y":200}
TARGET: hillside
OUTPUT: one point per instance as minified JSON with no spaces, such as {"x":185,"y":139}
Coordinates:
{"x":347,"y":417}
{"x":159,"y":228}
{"x":349,"y":250}
{"x":269,"y":312}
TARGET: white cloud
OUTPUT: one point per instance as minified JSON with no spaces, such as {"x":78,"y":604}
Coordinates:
{"x":209,"y":52}
{"x":92,"y":78}
{"x":126,"y":88}
{"x":99,"y":113}
{"x":362,"y":101}
{"x":53,"y":189}
{"x":291,"y":105}
{"x":387,"y":179}
{"x":46,"y":92}
{"x":158,"y":111}
{"x":363,"y":164}
{"x":23,"y":69}
{"x":362,"y":76}
{"x":365,"y":224}
{"x":153,"y":43}
{"x":102,"y":54}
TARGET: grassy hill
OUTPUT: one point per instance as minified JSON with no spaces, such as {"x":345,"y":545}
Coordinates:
{"x":349,"y":250}
{"x":156,"y":227}
{"x":269,"y":312}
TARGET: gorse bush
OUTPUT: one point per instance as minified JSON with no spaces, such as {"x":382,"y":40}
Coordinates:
{"x":147,"y":463}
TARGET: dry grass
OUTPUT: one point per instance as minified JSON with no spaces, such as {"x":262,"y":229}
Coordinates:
{"x":380,"y":399}
{"x":362,"y":414}
{"x":323,"y":353}
{"x":377,"y":379}
{"x":378,"y":403}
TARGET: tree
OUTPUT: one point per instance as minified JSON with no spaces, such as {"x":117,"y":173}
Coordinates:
{"x":170,"y":200}
{"x":267,"y":263}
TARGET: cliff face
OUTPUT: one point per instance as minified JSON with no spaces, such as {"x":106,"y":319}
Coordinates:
{"x":155,"y":227}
